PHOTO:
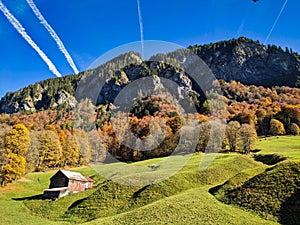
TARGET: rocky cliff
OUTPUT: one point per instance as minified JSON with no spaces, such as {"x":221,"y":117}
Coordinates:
{"x":240,"y":59}
{"x":248,"y":62}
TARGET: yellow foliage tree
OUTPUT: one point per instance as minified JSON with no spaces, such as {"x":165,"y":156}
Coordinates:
{"x":295,"y":130}
{"x":248,"y":138}
{"x":17,"y":142}
{"x":232,"y":134}
{"x":70,"y":152}
{"x":84,"y":146}
{"x":276,"y":127}
{"x":50,"y":151}
{"x":14,"y":168}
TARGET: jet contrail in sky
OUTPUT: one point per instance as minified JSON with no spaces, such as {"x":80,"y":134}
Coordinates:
{"x":53,"y":35}
{"x":141,"y":26}
{"x":18,"y":26}
{"x":276,"y":21}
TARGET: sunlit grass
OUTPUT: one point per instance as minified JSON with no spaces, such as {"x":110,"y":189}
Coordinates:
{"x":182,"y":199}
{"x":283,"y":145}
{"x":194,"y":206}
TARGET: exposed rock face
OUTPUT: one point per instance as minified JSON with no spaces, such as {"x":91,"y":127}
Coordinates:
{"x":246,"y":61}
{"x":146,"y":77}
{"x":92,"y":81}
{"x":240,"y":59}
{"x":30,"y":104}
{"x":63,"y":97}
{"x":252,"y":63}
{"x":65,"y":91}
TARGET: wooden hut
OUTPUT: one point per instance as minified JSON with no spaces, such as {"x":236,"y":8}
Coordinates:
{"x":66,"y":182}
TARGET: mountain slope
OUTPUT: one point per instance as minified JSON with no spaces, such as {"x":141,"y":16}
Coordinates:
{"x":59,"y":92}
{"x":240,"y":59}
{"x":247,"y":61}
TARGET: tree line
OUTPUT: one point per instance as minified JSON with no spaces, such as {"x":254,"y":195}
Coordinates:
{"x":62,"y":138}
{"x":23,"y":151}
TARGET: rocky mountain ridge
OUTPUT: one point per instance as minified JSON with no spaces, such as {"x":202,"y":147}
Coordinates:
{"x":242,"y":59}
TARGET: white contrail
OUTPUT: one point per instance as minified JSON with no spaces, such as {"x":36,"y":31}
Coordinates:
{"x":53,"y":35}
{"x":18,"y":26}
{"x":276,"y":21}
{"x":141,"y":27}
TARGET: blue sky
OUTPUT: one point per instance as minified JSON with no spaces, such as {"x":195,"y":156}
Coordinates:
{"x":90,"y":28}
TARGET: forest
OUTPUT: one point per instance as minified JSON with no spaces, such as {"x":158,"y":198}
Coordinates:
{"x":70,"y":138}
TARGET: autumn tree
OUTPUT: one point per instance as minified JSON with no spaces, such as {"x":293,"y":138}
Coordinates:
{"x":263,"y":121}
{"x":246,"y":117}
{"x":50,"y":127}
{"x":82,"y":141}
{"x":50,"y":151}
{"x":32,"y":155}
{"x":276,"y":127}
{"x":17,"y":142}
{"x":248,"y":138}
{"x":232,"y":134}
{"x":3,"y":131}
{"x":97,"y":146}
{"x":294,"y":128}
{"x":167,"y":146}
{"x":70,"y":156}
{"x":216,"y":136}
{"x":289,"y":114}
{"x":204,"y":134}
{"x":13,"y":169}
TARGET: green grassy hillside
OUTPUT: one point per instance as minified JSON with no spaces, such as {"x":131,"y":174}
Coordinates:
{"x":112,"y":198}
{"x":273,"y":193}
{"x":283,"y":145}
{"x":194,"y":206}
{"x":181,"y":199}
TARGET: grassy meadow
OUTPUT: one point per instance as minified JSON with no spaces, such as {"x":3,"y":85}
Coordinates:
{"x":184,"y":198}
{"x":288,"y":146}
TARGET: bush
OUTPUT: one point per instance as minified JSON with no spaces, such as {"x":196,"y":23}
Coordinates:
{"x":295,"y":130}
{"x":276,"y":127}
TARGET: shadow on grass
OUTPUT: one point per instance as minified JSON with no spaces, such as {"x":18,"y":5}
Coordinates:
{"x":215,"y":189}
{"x":76,"y":203}
{"x":270,"y":159}
{"x":289,"y":213}
{"x":137,"y":193}
{"x":35,"y":197}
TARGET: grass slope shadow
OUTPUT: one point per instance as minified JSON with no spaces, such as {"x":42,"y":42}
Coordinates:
{"x":34,"y":197}
{"x":289,"y":213}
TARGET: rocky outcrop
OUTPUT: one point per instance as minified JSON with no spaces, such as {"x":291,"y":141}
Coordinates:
{"x":251,"y":63}
{"x":242,"y":60}
{"x":30,"y":104}
{"x":144,"y":79}
{"x":63,"y":92}
{"x":246,"y":61}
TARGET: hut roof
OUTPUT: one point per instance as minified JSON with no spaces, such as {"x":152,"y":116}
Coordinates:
{"x":89,"y":179}
{"x":72,"y":175}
